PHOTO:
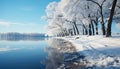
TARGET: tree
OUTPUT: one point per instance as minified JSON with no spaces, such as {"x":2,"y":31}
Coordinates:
{"x":110,"y":19}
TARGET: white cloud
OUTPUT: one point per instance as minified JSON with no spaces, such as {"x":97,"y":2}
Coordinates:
{"x":4,"y":23}
{"x":8,"y":49}
{"x":7,"y":24}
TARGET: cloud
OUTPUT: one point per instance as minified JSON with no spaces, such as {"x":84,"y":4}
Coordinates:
{"x":8,"y":49}
{"x":3,"y":23}
{"x":7,"y":24}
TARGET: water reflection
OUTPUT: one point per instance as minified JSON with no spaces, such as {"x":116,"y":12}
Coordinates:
{"x":62,"y":54}
{"x":22,"y":54}
{"x":24,"y":38}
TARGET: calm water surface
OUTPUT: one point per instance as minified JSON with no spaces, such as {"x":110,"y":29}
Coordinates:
{"x":37,"y":54}
{"x":22,"y":54}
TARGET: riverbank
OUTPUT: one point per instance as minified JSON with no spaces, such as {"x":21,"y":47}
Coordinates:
{"x":99,"y":51}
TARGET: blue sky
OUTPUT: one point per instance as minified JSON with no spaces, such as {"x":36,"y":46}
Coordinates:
{"x":23,"y":15}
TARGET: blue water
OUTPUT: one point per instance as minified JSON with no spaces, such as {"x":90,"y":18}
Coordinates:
{"x":22,"y":54}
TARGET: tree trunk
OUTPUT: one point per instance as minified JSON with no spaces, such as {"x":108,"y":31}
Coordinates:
{"x":74,"y":30}
{"x":93,"y":31}
{"x":86,"y":32}
{"x":96,"y":29}
{"x":71,"y":33}
{"x":103,"y":28}
{"x":76,"y":27}
{"x":83,"y":30}
{"x":90,"y":32}
{"x":102,"y":23}
{"x":110,"y":19}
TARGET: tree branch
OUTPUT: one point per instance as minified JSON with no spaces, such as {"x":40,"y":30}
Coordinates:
{"x":103,"y":2}
{"x":95,"y":2}
{"x":118,"y":6}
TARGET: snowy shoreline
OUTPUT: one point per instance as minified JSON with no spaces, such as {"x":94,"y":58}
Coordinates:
{"x":99,"y":51}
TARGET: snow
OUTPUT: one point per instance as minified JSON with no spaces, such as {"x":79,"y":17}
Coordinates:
{"x":99,"y":51}
{"x":98,"y":43}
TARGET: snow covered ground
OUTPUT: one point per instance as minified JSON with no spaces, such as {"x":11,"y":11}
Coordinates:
{"x":100,"y":52}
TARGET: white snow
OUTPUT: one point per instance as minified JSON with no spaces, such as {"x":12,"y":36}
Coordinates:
{"x":99,"y":50}
{"x":96,"y":43}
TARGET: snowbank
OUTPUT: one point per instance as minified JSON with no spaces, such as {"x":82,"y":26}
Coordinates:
{"x":100,"y":52}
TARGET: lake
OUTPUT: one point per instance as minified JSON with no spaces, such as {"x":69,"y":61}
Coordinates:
{"x":23,"y":54}
{"x":40,"y":54}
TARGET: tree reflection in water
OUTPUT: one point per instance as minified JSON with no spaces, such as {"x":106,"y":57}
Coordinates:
{"x":62,"y":54}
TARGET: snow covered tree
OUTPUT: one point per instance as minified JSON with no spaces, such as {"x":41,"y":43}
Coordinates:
{"x":74,"y":17}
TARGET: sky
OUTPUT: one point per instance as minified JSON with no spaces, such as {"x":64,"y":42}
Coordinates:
{"x":23,"y":16}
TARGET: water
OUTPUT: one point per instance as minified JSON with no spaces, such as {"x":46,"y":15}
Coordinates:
{"x":22,"y":54}
{"x":37,"y":54}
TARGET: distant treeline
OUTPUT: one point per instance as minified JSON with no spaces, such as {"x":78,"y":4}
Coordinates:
{"x":22,"y":36}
